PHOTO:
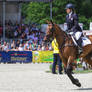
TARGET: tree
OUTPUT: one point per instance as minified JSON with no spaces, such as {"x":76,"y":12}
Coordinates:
{"x":39,"y":12}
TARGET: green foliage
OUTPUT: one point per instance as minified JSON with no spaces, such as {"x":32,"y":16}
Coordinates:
{"x":83,"y":19}
{"x":82,"y":71}
{"x":39,"y":12}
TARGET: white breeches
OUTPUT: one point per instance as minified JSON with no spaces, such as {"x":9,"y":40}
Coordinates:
{"x":78,"y":35}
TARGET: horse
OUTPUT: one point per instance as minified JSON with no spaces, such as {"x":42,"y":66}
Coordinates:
{"x":68,"y":51}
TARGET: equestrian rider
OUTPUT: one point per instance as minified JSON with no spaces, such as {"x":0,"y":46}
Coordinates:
{"x":72,"y":24}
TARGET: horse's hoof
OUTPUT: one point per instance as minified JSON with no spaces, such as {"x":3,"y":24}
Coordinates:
{"x":77,"y":83}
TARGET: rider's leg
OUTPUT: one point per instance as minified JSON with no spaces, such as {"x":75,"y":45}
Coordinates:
{"x":78,"y":37}
{"x":80,"y":42}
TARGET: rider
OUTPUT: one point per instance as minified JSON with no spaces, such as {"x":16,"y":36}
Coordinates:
{"x":72,"y":24}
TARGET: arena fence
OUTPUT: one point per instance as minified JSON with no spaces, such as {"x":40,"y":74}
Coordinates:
{"x":26,"y":56}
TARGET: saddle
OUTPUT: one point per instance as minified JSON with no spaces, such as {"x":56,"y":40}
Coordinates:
{"x":81,"y":43}
{"x":77,"y":43}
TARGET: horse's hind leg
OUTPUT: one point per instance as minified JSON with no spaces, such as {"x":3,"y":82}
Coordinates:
{"x":69,"y":74}
{"x":88,"y":59}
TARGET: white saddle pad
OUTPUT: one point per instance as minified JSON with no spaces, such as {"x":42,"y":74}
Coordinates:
{"x":85,"y":41}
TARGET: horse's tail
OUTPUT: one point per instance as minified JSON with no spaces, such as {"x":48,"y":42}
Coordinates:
{"x":86,"y":50}
{"x":88,"y":58}
{"x":87,"y":54}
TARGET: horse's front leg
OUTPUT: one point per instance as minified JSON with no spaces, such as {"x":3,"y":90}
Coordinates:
{"x":69,"y":69}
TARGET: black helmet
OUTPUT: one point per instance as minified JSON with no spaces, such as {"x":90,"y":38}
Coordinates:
{"x":69,"y":6}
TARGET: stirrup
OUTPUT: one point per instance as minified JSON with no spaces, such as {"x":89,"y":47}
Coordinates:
{"x":80,"y":50}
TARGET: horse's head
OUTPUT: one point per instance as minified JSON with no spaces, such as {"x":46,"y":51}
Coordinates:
{"x":49,"y":32}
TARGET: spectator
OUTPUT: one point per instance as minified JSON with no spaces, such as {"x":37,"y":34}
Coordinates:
{"x":43,"y":47}
{"x":26,"y":46}
{"x":16,"y":34}
{"x":8,"y":47}
{"x":4,"y":46}
{"x":34,"y":28}
{"x":46,"y":47}
{"x":57,"y":59}
{"x":50,"y":47}
{"x":0,"y":46}
{"x":30,"y":47}
{"x":20,"y":47}
{"x":39,"y":48}
{"x":13,"y":44}
{"x":18,"y":43}
{"x":26,"y":30}
{"x":84,"y":65}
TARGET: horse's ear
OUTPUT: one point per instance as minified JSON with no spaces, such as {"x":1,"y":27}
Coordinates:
{"x":48,"y":21}
{"x":51,"y":22}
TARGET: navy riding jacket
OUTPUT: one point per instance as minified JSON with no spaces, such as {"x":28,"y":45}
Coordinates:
{"x":72,"y":23}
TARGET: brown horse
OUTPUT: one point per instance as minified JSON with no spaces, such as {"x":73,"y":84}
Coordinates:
{"x":68,"y":51}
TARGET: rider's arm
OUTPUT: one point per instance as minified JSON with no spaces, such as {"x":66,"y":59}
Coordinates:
{"x":75,"y":19}
{"x":67,"y":24}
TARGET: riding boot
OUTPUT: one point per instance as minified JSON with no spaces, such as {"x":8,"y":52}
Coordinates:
{"x":79,"y":42}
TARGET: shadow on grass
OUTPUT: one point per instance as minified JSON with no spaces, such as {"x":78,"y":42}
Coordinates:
{"x":48,"y":71}
{"x":84,"y":89}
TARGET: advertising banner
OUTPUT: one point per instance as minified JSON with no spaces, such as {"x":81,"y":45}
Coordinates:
{"x":20,"y":56}
{"x":16,"y":56}
{"x":42,"y":56}
{"x":4,"y":57}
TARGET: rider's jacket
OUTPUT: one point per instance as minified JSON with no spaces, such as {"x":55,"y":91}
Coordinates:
{"x":72,"y":23}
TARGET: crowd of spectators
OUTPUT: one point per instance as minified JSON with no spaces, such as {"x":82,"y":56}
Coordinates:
{"x":23,"y":46}
{"x":23,"y":31}
{"x":24,"y":37}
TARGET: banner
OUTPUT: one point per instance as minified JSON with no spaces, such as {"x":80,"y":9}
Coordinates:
{"x":4,"y":57}
{"x":16,"y":56}
{"x":26,"y":56}
{"x":42,"y":56}
{"x":20,"y":56}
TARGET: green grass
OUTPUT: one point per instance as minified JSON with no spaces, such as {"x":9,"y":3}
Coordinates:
{"x":75,"y":71}
{"x":82,"y":71}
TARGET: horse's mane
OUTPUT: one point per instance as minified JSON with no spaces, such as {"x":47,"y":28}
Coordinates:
{"x":58,"y":28}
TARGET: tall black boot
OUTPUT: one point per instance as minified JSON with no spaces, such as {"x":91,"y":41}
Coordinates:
{"x":79,"y":42}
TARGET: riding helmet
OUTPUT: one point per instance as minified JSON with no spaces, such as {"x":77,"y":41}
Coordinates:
{"x":69,"y":6}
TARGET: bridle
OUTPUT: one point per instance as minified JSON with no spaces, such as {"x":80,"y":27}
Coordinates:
{"x":66,"y":37}
{"x":51,"y":30}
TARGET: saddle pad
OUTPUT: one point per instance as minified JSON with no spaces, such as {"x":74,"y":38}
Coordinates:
{"x":85,"y":41}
